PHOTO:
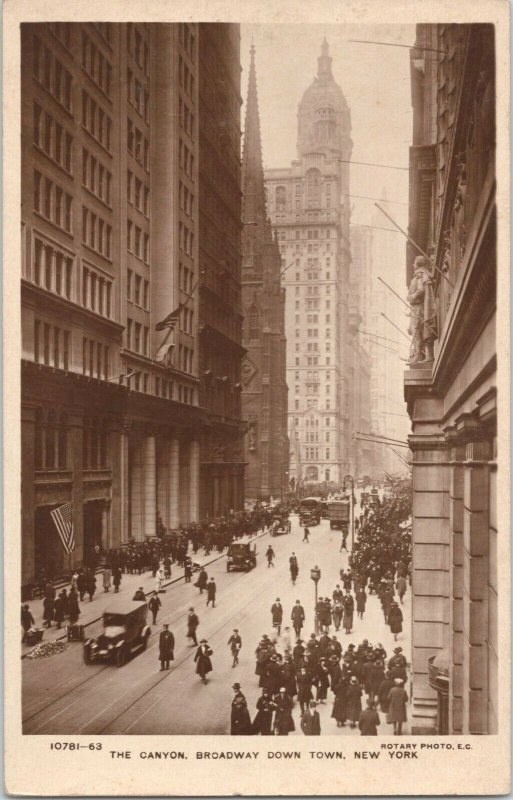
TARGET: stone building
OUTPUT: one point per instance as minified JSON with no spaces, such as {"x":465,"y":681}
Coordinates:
{"x":110,"y":247}
{"x":220,"y":258}
{"x":450,"y":385}
{"x":309,"y":207}
{"x":264,"y":397}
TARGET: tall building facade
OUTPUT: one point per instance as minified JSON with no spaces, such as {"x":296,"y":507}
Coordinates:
{"x":450,"y":386}
{"x":110,"y":245}
{"x":220,"y":256}
{"x":309,"y":207}
{"x":264,"y":397}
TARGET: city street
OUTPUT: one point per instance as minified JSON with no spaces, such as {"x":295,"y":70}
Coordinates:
{"x":63,"y":695}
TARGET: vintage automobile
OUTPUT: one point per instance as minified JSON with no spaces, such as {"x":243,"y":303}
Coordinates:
{"x":241,"y":555}
{"x":125,"y":632}
{"x":364,"y":498}
{"x":280,"y":526}
{"x":310,"y":511}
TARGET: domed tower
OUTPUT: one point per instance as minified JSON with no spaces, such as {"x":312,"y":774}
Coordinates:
{"x":324,"y":120}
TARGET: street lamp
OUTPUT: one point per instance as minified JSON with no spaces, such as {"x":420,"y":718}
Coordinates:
{"x":315,"y":574}
{"x":351,"y":479}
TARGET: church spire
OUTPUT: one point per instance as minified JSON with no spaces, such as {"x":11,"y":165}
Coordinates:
{"x":253,"y":209}
{"x":324,"y":63}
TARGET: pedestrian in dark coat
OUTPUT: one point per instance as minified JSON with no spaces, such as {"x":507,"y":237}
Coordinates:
{"x":288,"y":673}
{"x":298,"y":618}
{"x":139,"y":595}
{"x":27,"y":620}
{"x":384,"y":690}
{"x":322,"y":681}
{"x":202,"y":659}
{"x":283,"y":722}
{"x":154,"y":606}
{"x":188,"y":571}
{"x":347,"y":621}
{"x":91,"y":585}
{"x":116,"y":578}
{"x":277,"y":615}
{"x":60,"y":610}
{"x":304,"y":688}
{"x":395,"y":619}
{"x":202,"y":581}
{"x":192,"y":624}
{"x":397,"y":698}
{"x":353,"y":701}
{"x":262,"y":724}
{"x":401,"y":587}
{"x":211,"y":592}
{"x":81,"y":584}
{"x":166,"y":647}
{"x":298,"y":653}
{"x":369,"y":720}
{"x":311,"y":721}
{"x":361,"y":601}
{"x":376,"y":679}
{"x":339,"y":706}
{"x":240,"y":723}
{"x":48,"y":611}
{"x":73,"y":607}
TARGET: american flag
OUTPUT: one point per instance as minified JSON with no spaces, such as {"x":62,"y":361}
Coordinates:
{"x":63,"y":518}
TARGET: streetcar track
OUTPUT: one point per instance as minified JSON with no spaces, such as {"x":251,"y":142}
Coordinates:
{"x":153,"y":636}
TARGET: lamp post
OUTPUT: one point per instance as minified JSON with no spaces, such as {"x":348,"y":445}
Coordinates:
{"x":351,"y":480}
{"x":315,"y":574}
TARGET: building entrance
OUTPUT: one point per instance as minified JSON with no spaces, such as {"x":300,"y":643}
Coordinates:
{"x":49,"y":553}
{"x":93,"y":549}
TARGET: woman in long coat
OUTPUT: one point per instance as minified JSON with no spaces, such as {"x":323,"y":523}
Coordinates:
{"x":353,"y":701}
{"x":283,"y":722}
{"x":240,"y":719}
{"x":347,"y":621}
{"x":383,"y":692}
{"x":289,"y":676}
{"x":395,"y":619}
{"x":336,"y":614}
{"x":361,"y":601}
{"x":263,"y":722}
{"x":322,"y":681}
{"x":203,"y":662}
{"x":339,"y":706}
{"x":397,"y":706}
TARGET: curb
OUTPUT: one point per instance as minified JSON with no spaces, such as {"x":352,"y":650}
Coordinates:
{"x":169,"y":583}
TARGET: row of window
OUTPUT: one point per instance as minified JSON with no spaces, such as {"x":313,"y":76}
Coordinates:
{"x":163,"y":388}
{"x":96,"y":65}
{"x":186,"y":320}
{"x":96,"y":177}
{"x":95,"y":359}
{"x":138,"y":290}
{"x":185,"y":199}
{"x":138,"y":194}
{"x":137,"y":144}
{"x":50,"y":440}
{"x":185,"y":239}
{"x":53,"y":139}
{"x":185,"y":159}
{"x":52,"y":202}
{"x":185,"y":277}
{"x":94,"y":445}
{"x":186,"y":118}
{"x":96,"y":121}
{"x":137,"y":96}
{"x":96,"y":233}
{"x":96,"y":291}
{"x":53,"y":268}
{"x":185,"y":356}
{"x":137,"y":242}
{"x":312,"y":453}
{"x":313,"y":402}
{"x":137,"y":337}
{"x":185,"y":77}
{"x":138,"y":47}
{"x":51,"y":345}
{"x":51,"y":74}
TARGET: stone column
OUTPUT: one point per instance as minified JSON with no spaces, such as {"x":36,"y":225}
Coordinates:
{"x":194,"y":465}
{"x":183,"y":498}
{"x":150,"y":486}
{"x":136,"y":493}
{"x":106,"y":539}
{"x":174,"y":482}
{"x":163,"y":481}
{"x":456,"y":529}
{"x":120,"y":487}
{"x":77,"y":493}
{"x":216,"y":499}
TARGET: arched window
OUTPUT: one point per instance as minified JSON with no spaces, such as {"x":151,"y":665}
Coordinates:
{"x":281,"y":196}
{"x":313,"y":188}
{"x":253,"y":322}
{"x":312,"y":474}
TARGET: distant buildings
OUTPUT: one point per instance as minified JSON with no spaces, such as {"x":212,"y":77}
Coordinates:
{"x":264,"y":398}
{"x":309,"y":207}
{"x":115,"y":239}
{"x":451,"y":392}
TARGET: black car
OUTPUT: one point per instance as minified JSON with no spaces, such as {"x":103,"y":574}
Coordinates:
{"x":125,"y":632}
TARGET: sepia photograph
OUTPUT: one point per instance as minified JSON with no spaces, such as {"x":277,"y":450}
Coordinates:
{"x":259,"y":391}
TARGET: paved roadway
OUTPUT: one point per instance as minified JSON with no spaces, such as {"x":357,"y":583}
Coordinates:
{"x":61,"y":695}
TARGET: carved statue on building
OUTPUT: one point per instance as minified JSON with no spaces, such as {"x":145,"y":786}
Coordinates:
{"x":459,"y":206}
{"x":423,"y":312}
{"x":252,"y":436}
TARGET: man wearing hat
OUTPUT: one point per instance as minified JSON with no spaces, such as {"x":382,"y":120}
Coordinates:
{"x":397,"y":698}
{"x":311,"y":721}
{"x":166,"y":647}
{"x":369,"y":720}
{"x":262,"y":724}
{"x":192,"y":624}
{"x":235,"y":644}
{"x":397,"y":664}
{"x":283,"y":722}
{"x":395,"y":619}
{"x":240,"y":719}
{"x":139,"y":595}
{"x":298,"y":617}
{"x":298,"y":652}
{"x":353,"y":701}
{"x":277,"y":615}
{"x":202,"y":659}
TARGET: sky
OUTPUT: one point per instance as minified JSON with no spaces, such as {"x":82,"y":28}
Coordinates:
{"x":376,"y":83}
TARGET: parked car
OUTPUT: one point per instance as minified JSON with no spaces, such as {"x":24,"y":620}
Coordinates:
{"x":125,"y":632}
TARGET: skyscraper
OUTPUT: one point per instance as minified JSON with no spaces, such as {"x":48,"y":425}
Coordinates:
{"x":264,"y":398}
{"x":309,"y":208}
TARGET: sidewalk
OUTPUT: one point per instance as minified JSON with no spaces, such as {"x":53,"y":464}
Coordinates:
{"x":92,"y":611}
